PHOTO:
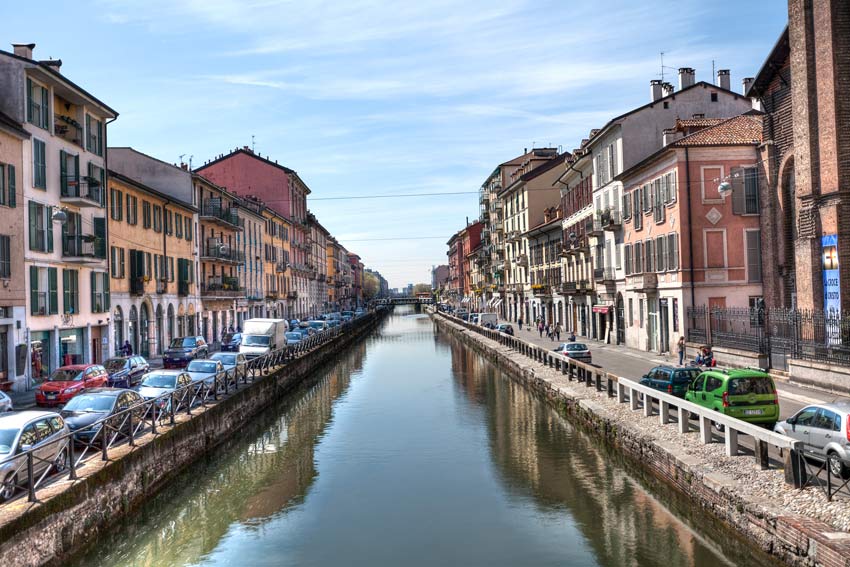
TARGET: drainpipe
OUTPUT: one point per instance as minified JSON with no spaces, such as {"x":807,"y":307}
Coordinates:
{"x":690,"y":227}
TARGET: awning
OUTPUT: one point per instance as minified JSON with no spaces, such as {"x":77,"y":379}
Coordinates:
{"x":498,"y":302}
{"x":601,"y":308}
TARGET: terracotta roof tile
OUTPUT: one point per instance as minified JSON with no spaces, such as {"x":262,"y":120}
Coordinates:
{"x":741,"y":130}
{"x":699,"y":122}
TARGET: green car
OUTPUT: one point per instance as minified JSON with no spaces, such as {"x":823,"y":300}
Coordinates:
{"x":747,"y":394}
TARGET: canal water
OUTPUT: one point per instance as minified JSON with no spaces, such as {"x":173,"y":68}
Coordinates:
{"x":412,"y":449}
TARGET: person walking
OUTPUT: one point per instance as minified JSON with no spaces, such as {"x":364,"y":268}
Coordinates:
{"x":519,"y":323}
{"x":540,"y":328}
{"x":681,"y":348}
{"x":558,"y":332}
{"x":549,"y":331}
{"x":127,"y":348}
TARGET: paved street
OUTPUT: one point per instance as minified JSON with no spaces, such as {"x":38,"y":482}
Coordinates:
{"x":632,"y":363}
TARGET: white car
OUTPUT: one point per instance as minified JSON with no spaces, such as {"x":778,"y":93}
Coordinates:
{"x":43,"y":432}
{"x":5,"y":402}
{"x":233,"y":362}
{"x":204,"y":370}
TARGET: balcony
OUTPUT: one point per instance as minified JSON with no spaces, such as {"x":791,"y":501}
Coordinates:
{"x":216,"y":251}
{"x":212,"y":211}
{"x":647,"y":282}
{"x":604,"y":275}
{"x":183,"y":288}
{"x":292,"y":295}
{"x":541,"y":290}
{"x":85,"y":192}
{"x":583,"y":287}
{"x":272,"y":294}
{"x":579,"y":246}
{"x":522,"y":260}
{"x":610,"y":219}
{"x":137,"y":285}
{"x":593,"y":227}
{"x":222,"y":287}
{"x":82,"y":248}
{"x":568,"y":288}
{"x":67,"y":126}
{"x":281,"y":267}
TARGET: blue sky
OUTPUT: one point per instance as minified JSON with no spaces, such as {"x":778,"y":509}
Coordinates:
{"x":373,"y":98}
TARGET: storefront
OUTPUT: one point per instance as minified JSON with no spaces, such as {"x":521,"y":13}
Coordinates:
{"x":40,"y":354}
{"x":71,"y":347}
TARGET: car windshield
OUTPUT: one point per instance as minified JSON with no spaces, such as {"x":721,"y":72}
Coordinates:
{"x":225,"y":358}
{"x":115,"y":364}
{"x":294,"y":336}
{"x":65,"y":375}
{"x":317,"y":324}
{"x":201,"y":366}
{"x":90,"y":402}
{"x":187,"y":342}
{"x":575,"y":347}
{"x":7,"y":438}
{"x":256,"y":340}
{"x":750,"y":385}
{"x":160,"y":381}
{"x":685,"y":376}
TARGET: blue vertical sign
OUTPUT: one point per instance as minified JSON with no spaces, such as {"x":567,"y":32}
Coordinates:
{"x":831,"y":283}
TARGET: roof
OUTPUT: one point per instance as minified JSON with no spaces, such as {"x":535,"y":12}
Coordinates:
{"x":49,"y":67}
{"x":14,"y":125}
{"x":249,"y":153}
{"x":775,"y":61}
{"x":139,"y":185}
{"x":698,"y":122}
{"x":742,"y":130}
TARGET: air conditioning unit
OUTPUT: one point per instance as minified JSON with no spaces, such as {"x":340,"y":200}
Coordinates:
{"x":224,"y":249}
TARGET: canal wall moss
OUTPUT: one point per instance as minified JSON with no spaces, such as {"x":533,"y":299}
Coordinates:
{"x":791,"y":539}
{"x":70,"y":515}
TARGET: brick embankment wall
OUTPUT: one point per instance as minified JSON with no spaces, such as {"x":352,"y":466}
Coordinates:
{"x":710,"y":484}
{"x":70,"y":515}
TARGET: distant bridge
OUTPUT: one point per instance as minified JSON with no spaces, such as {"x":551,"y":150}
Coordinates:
{"x":406,"y":301}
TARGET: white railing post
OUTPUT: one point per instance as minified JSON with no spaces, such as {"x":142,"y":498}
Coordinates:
{"x":731,"y":442}
{"x":705,"y":429}
{"x":621,"y":393}
{"x":663,"y":412}
{"x":647,"y":405}
{"x":684,"y":417}
{"x":633,"y":399}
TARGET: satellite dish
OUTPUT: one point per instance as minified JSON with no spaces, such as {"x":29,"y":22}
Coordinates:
{"x":224,"y":249}
{"x":724,"y":188}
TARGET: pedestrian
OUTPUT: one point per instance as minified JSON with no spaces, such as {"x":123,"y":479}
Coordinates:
{"x":572,"y":337}
{"x":558,"y":331}
{"x":540,"y":327}
{"x":681,"y":348}
{"x":548,"y":329}
{"x":519,"y":323}
{"x":238,"y":328}
{"x":128,"y":348}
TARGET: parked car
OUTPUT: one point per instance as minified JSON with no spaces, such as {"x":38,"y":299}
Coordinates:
{"x":744,"y":393}
{"x":5,"y":402}
{"x":67,"y":381}
{"x":319,"y":326}
{"x":505,"y":328}
{"x":332,"y":322}
{"x":671,"y":379}
{"x":230,"y":342}
{"x":182,"y":350}
{"x":159,"y":382}
{"x":233,"y":362}
{"x":463,"y":315}
{"x":576,"y":351}
{"x":824,"y":430}
{"x":204,"y":370}
{"x":359,"y":313}
{"x":294,"y":337}
{"x":347,"y":315}
{"x":42,"y":431}
{"x":473,"y":318}
{"x":126,"y":371}
{"x":489,"y":320}
{"x":93,"y":405}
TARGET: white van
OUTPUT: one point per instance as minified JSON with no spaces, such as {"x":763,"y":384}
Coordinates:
{"x":260,"y":336}
{"x":488,"y":319}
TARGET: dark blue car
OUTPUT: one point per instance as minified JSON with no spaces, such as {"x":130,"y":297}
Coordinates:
{"x":126,"y":371}
{"x":230,"y":342}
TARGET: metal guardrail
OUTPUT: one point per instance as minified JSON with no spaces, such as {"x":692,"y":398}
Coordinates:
{"x":648,"y":399}
{"x":148,"y":416}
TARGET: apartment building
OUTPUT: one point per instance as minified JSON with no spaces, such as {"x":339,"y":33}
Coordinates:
{"x":545,"y":246}
{"x":251,"y":273}
{"x":62,"y":187}
{"x":280,"y":296}
{"x":220,"y":257}
{"x":317,"y":263}
{"x":13,"y":299}
{"x":152,"y":251}
{"x":494,"y":237}
{"x":356,"y":294}
{"x":332,"y":257}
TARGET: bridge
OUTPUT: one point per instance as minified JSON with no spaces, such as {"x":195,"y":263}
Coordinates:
{"x":406,"y":301}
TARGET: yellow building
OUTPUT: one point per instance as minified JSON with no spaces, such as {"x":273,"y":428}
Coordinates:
{"x":333,"y":272}
{"x":280,"y":295}
{"x":220,"y":256}
{"x":152,"y":251}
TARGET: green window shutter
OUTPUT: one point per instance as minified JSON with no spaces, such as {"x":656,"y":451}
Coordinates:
{"x":53,"y":296}
{"x":63,"y":172}
{"x":93,"y":278}
{"x":49,"y":221}
{"x":13,"y":199}
{"x":66,"y":291}
{"x":45,"y":108}
{"x":106,"y":298}
{"x":88,"y":134}
{"x":32,"y":217}
{"x":33,"y":290}
{"x":99,"y":148}
{"x":29,"y":100}
{"x":77,"y":172}
{"x":99,"y":224}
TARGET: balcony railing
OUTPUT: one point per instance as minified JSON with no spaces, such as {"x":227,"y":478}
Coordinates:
{"x":86,"y":192}
{"x":216,"y":251}
{"x":137,"y":285}
{"x":292,"y":295}
{"x":610,"y":219}
{"x":214,"y":211}
{"x":81,"y":248}
{"x":642,"y":282}
{"x":541,"y":290}
{"x":603,"y":274}
{"x":222,"y":287}
{"x":272,"y":294}
{"x":281,"y":267}
{"x":593,"y":227}
{"x":522,"y":260}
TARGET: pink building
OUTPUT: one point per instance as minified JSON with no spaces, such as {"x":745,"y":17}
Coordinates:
{"x":691,"y":228}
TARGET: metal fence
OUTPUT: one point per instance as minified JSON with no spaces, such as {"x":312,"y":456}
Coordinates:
{"x":697,"y":331}
{"x":62,"y":455}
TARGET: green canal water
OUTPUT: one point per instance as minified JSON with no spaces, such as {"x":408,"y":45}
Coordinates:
{"x":412,"y":449}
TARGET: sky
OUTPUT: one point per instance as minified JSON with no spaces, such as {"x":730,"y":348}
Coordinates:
{"x":367,"y":98}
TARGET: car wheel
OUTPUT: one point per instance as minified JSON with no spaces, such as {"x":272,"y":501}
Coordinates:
{"x":61,"y":461}
{"x":8,"y":488}
{"x":836,"y":467}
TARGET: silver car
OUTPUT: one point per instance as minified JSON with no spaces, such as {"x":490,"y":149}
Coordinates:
{"x":824,"y":430}
{"x":233,"y":362}
{"x":5,"y":402}
{"x":159,"y":382}
{"x":43,"y":432}
{"x":204,"y":370}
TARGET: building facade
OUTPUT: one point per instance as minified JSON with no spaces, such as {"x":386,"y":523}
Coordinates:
{"x":251,"y":241}
{"x":277,"y":268}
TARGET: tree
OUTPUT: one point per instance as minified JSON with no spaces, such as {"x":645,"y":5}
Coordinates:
{"x":421,"y":288}
{"x":371,"y":286}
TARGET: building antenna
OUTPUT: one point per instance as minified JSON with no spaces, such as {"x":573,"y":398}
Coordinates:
{"x":252,"y":143}
{"x":713,"y":74}
{"x":181,"y":158}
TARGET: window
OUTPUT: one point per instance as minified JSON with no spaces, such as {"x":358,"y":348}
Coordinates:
{"x":745,"y":191}
{"x":116,"y":204}
{"x":612,"y":160}
{"x":99,"y":292}
{"x":169,"y":222}
{"x":8,"y":185}
{"x":5,"y":258}
{"x":38,"y":105}
{"x":70,"y":291}
{"x":117,"y":262}
{"x":157,"y":218}
{"x":753,"y":238}
{"x":39,"y":164}
{"x":648,"y":256}
{"x":146,"y":214}
{"x":638,"y":257}
{"x":69,"y":174}
{"x":171,"y":268}
{"x":627,"y":206}
{"x":658,"y":211}
{"x":672,"y":252}
{"x":96,"y":181}
{"x":660,"y":254}
{"x":188,"y":230}
{"x":640,"y":313}
{"x":637,"y":208}
{"x":94,"y":135}
{"x":178,"y":225}
{"x":713,"y":97}
{"x":627,"y":250}
{"x":43,"y":291}
{"x":132,"y":210}
{"x":712,"y":383}
{"x":631,"y":312}
{"x":40,"y":227}
{"x":670,"y":182}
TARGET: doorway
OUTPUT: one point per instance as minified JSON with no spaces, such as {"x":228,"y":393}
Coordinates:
{"x":664,"y":325}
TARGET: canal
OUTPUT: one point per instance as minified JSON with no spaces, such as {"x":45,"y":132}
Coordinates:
{"x":413,"y":450}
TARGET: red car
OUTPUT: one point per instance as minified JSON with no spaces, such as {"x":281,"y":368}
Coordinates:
{"x":68,"y":381}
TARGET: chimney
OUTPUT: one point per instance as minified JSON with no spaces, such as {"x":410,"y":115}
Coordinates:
{"x":670,"y":136}
{"x":655,"y":90}
{"x":666,"y":89}
{"x":23,"y":49}
{"x":723,"y":79}
{"x":55,"y":64}
{"x":686,"y":77}
{"x":746,"y":84}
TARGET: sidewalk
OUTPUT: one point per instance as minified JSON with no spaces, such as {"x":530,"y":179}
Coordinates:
{"x":633,"y":363}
